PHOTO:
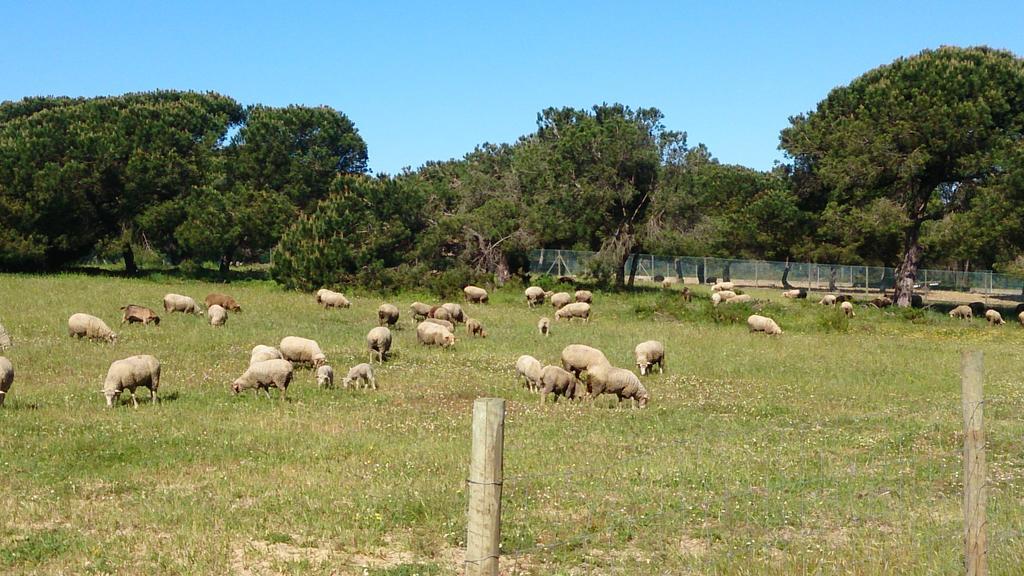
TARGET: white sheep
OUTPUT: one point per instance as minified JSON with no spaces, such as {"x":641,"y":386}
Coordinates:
{"x":722,"y":296}
{"x":584,"y":296}
{"x":455,"y":312}
{"x":723,"y":286}
{"x":530,"y":369}
{"x":962,"y":312}
{"x":649,"y":353}
{"x":534,"y":296}
{"x":475,"y":294}
{"x":439,"y":322}
{"x":994,"y":317}
{"x":1020,"y":318}
{"x":302,"y":350}
{"x":387,"y":314}
{"x":440,"y":313}
{"x":419,"y":311}
{"x":828,"y":300}
{"x":573,"y":310}
{"x":578,"y":358}
{"x":331,"y":299}
{"x":263,"y":375}
{"x":606,"y":379}
{"x":740,"y":299}
{"x":6,"y":378}
{"x":360,"y":373}
{"x":325,"y":376}
{"x":260,"y":353}
{"x":179,"y":303}
{"x":5,"y":338}
{"x":218,"y":315}
{"x":130,"y":373}
{"x":763,"y":324}
{"x":378,"y":341}
{"x":544,"y":326}
{"x":847,"y":308}
{"x":88,"y":326}
{"x":794,"y":293}
{"x":560,"y":299}
{"x":555,"y":380}
{"x":431,"y":334}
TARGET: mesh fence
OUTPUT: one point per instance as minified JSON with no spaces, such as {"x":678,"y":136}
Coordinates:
{"x":764,"y":273}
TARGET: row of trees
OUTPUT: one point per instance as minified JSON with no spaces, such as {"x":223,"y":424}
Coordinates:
{"x":919,"y":159}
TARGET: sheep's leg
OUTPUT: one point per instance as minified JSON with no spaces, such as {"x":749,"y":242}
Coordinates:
{"x":373,"y":382}
{"x":135,"y":401}
{"x":152,"y":396}
{"x":266,"y":391}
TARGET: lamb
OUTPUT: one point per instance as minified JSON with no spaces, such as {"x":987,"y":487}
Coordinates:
{"x":218,"y":315}
{"x":455,"y":312}
{"x":994,"y":317}
{"x":331,"y":299}
{"x":475,"y":294}
{"x":847,"y":307}
{"x":261,"y":353}
{"x":6,"y":378}
{"x":378,"y":341}
{"x":534,"y":296}
{"x":962,"y":312}
{"x":475,"y":328}
{"x":263,"y":375}
{"x":578,"y":358}
{"x":649,"y":353}
{"x":179,"y":303}
{"x":795,"y":293}
{"x":882,"y":301}
{"x":431,"y":334}
{"x":360,"y":373}
{"x":557,"y":381}
{"x":91,"y":327}
{"x":544,"y":326}
{"x":130,"y":373}
{"x":584,"y":296}
{"x":387,"y":314}
{"x":828,"y":300}
{"x":135,"y":314}
{"x":574,"y":310}
{"x":5,"y":338}
{"x":740,"y":299}
{"x":419,"y":310}
{"x":723,"y":286}
{"x":302,"y":350}
{"x":560,"y":299}
{"x":440,"y":313}
{"x":439,"y":322}
{"x":530,"y":369}
{"x":685,"y":294}
{"x":325,"y":377}
{"x":763,"y":324}
{"x":222,"y":300}
{"x":606,"y":379}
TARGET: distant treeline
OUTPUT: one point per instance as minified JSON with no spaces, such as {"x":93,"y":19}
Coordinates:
{"x":916,"y":161}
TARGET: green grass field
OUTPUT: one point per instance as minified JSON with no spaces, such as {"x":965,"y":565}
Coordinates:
{"x":833,"y":449}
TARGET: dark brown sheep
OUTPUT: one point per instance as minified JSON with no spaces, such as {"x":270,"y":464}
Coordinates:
{"x":134,"y":314}
{"x":222,"y":300}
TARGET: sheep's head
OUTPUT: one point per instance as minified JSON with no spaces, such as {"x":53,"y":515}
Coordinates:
{"x":346,"y":381}
{"x":319,"y":360}
{"x":112,"y":338}
{"x":237,"y":386}
{"x":112,"y":396}
{"x":643,"y":397}
{"x":449,"y":340}
{"x":643,"y":364}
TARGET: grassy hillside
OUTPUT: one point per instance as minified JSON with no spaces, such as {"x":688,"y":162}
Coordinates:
{"x":831,"y":449}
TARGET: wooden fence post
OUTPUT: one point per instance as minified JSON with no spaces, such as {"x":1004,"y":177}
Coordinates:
{"x":483,"y":534}
{"x":975,"y":547}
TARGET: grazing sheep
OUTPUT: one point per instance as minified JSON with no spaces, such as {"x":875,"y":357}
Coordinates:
{"x":360,"y":373}
{"x":649,"y":353}
{"x":331,"y":299}
{"x":881,"y":302}
{"x":739,"y":299}
{"x":440,"y":313}
{"x":847,"y":307}
{"x":263,"y":375}
{"x":91,"y":327}
{"x":978,"y":308}
{"x":378,"y":341}
{"x":431,"y":334}
{"x":584,"y":296}
{"x":134,"y":314}
{"x":534,"y":296}
{"x":666,"y":283}
{"x":261,"y":353}
{"x":223,"y":300}
{"x":530,"y":369}
{"x":302,"y":350}
{"x":179,"y":303}
{"x":387,"y":314}
{"x":573,"y":310}
{"x":130,"y":373}
{"x":560,"y":299}
{"x":475,"y":328}
{"x":218,"y":315}
{"x":5,"y":338}
{"x":994,"y":317}
{"x":844,"y":298}
{"x":455,"y":312}
{"x":723,"y":286}
{"x":606,"y":379}
{"x":578,"y":358}
{"x":962,"y":312}
{"x":795,"y":293}
{"x":544,"y":326}
{"x":325,"y":377}
{"x":439,"y":322}
{"x":555,"y":380}
{"x":828,"y":300}
{"x":685,"y":294}
{"x":6,"y":378}
{"x":763,"y":324}
{"x":420,"y":311}
{"x":1020,"y":318}
{"x":475,"y":294}
{"x":722,"y":296}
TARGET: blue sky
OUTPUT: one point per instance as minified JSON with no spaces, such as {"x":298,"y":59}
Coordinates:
{"x":429,"y":82}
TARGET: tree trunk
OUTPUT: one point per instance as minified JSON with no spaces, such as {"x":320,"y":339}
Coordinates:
{"x":832,"y":279}
{"x":130,"y":267}
{"x":633,"y":267}
{"x":501,"y":270}
{"x":225,"y":265}
{"x":906,"y":274}
{"x":726,"y":272}
{"x":785,"y":277}
{"x":620,"y":271}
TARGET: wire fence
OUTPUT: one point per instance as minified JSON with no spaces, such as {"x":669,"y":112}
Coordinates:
{"x":769,"y":274}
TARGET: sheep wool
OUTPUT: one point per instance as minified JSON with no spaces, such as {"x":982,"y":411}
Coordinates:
{"x":264,"y":375}
{"x":763,"y":324}
{"x":648,"y":354}
{"x":530,"y":369}
{"x":87,"y":326}
{"x":6,"y":378}
{"x":129,"y":374}
{"x":360,"y":373}
{"x":301,"y":350}
{"x":378,"y":341}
